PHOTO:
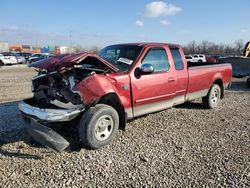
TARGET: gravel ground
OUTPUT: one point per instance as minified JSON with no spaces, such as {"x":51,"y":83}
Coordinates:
{"x":186,"y":146}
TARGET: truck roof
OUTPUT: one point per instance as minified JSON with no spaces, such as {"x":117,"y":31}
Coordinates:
{"x":148,"y":44}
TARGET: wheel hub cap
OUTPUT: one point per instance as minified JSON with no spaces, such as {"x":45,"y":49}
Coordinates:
{"x":214,"y":96}
{"x":104,"y":127}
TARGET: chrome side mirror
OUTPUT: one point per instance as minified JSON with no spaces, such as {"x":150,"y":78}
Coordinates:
{"x":146,"y":69}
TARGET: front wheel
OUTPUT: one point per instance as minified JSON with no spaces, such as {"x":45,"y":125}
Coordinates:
{"x":98,"y":126}
{"x":213,"y":97}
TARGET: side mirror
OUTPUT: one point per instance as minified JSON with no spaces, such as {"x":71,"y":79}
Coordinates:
{"x":146,"y":69}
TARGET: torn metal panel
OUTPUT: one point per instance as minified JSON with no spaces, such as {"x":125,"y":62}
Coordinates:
{"x":68,"y":61}
{"x":46,"y":136}
{"x":68,"y":105}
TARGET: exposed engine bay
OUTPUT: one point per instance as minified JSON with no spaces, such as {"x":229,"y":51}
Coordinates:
{"x":57,"y":89}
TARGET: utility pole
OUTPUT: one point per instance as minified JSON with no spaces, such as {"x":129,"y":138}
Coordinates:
{"x":70,"y":38}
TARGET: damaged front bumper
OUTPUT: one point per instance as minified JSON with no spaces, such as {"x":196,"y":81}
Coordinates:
{"x":45,"y":135}
{"x":48,"y":137}
{"x":50,"y":115}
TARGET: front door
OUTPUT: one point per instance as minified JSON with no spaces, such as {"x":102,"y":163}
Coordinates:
{"x":155,"y":91}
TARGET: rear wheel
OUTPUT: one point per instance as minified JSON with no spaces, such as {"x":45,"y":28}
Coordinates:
{"x":200,"y":61}
{"x":248,"y":82}
{"x":1,"y":63}
{"x":98,"y":126}
{"x":213,"y":97}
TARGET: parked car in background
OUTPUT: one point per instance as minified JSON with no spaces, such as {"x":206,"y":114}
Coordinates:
{"x":25,"y":55}
{"x":189,"y":58}
{"x":7,"y":59}
{"x":200,"y":58}
{"x":210,"y":59}
{"x":37,"y":57}
{"x":20,"y":59}
{"x":217,"y":57}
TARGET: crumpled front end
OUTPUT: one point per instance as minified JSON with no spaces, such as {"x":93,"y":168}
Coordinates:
{"x":57,"y":99}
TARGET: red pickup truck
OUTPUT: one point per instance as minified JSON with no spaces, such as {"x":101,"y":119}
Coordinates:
{"x":99,"y":93}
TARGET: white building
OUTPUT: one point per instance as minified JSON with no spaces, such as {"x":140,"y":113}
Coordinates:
{"x":66,"y":50}
{"x":4,"y":47}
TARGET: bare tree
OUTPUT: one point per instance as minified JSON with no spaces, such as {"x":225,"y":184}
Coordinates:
{"x":94,"y":49}
{"x":204,"y":45}
{"x":239,"y":46}
{"x":207,"y":47}
{"x":190,"y":48}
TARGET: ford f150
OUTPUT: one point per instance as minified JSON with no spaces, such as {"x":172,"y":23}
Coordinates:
{"x":101,"y":92}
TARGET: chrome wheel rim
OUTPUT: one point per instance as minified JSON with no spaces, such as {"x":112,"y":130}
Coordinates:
{"x":215,"y":96}
{"x":104,"y":127}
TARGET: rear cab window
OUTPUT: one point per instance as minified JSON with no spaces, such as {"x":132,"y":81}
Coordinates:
{"x":158,"y":58}
{"x":177,"y":58}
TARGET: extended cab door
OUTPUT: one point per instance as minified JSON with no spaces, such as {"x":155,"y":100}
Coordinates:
{"x":156,"y":91}
{"x":181,"y":74}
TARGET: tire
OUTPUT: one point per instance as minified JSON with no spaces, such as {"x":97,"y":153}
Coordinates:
{"x":213,"y":97}
{"x":93,"y":132}
{"x":1,"y":63}
{"x":248,"y":82}
{"x":200,"y":61}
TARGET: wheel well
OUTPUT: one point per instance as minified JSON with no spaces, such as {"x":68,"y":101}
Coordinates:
{"x":220,"y":83}
{"x":112,"y":99}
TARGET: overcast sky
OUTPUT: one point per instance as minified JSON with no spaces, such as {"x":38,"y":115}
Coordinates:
{"x":99,"y":22}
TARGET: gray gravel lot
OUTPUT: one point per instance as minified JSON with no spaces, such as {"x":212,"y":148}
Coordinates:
{"x":186,"y":146}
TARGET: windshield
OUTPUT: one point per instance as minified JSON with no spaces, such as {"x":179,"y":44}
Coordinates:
{"x":121,"y":56}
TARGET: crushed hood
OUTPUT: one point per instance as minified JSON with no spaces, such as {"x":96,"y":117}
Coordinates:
{"x":61,"y":62}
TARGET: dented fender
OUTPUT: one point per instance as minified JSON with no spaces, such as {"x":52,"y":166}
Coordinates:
{"x":96,"y":86}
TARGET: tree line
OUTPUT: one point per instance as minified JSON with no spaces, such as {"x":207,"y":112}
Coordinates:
{"x":193,"y":47}
{"x":207,"y":47}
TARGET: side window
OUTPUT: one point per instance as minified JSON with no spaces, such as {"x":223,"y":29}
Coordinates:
{"x":158,"y":59}
{"x":178,"y":63}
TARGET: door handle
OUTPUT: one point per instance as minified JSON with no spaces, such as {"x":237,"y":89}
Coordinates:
{"x":172,"y":79}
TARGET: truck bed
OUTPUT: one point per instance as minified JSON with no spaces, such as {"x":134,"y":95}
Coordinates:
{"x":203,"y":75}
